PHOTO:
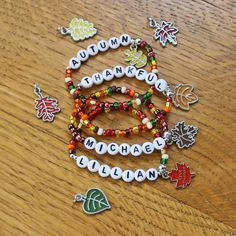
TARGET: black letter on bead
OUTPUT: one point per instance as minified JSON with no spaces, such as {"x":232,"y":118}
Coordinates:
{"x":89,"y":143}
{"x":124,"y":38}
{"x":74,"y":62}
{"x":152,"y":174}
{"x":114,"y":41}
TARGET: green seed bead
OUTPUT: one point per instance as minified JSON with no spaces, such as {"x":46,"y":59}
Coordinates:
{"x":71,"y":87}
{"x":116,"y":105}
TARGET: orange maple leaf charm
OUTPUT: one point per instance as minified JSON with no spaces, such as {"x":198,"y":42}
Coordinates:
{"x":184,"y":96}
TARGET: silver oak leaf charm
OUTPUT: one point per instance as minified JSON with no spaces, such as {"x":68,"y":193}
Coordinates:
{"x":183,"y":135}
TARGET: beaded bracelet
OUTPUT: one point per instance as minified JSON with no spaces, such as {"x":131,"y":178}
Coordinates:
{"x":117,"y":173}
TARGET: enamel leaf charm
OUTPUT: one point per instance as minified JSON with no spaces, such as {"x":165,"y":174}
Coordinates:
{"x":46,"y":107}
{"x":184,"y":96}
{"x":182,"y":175}
{"x":183,"y":135}
{"x":94,"y":201}
{"x":165,"y":32}
{"x":79,"y":29}
{"x":136,"y":58}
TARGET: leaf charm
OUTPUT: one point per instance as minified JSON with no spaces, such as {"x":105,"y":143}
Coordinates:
{"x":184,"y":96}
{"x":183,"y":135}
{"x":46,"y":107}
{"x":81,"y":29}
{"x":94,"y":201}
{"x":136,"y":58}
{"x":181,"y":175}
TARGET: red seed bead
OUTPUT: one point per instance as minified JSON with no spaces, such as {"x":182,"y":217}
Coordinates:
{"x":143,"y":44}
{"x":151,"y":54}
{"x":69,"y":83}
{"x":140,"y":128}
{"x":158,"y":135}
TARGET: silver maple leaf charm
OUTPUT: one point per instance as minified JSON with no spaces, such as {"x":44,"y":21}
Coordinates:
{"x":165,"y":32}
{"x":183,"y":135}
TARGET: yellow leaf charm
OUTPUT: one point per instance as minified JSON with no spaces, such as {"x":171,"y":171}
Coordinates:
{"x":136,"y":58}
{"x":184,"y":96}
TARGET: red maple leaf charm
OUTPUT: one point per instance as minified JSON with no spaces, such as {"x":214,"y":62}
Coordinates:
{"x":46,"y":107}
{"x":182,"y":175}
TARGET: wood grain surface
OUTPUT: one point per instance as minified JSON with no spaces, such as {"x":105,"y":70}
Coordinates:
{"x":38,"y":180}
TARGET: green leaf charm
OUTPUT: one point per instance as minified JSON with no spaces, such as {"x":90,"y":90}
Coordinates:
{"x":94,"y":201}
{"x":136,"y":58}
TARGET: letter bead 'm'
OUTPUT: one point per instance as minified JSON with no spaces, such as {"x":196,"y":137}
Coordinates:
{"x":90,"y":143}
{"x":114,"y":42}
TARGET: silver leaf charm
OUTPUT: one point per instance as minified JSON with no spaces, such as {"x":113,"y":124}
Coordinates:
{"x":183,"y":135}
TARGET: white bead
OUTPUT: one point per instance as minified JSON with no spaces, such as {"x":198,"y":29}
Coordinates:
{"x":82,"y":161}
{"x":155,"y":71}
{"x":74,"y":63}
{"x":125,"y":40}
{"x":138,"y":101}
{"x":90,"y":143}
{"x":119,"y":71}
{"x":141,"y":74}
{"x":159,"y":143}
{"x":149,"y":125}
{"x":113,"y":148}
{"x":145,"y":120}
{"x":123,"y":89}
{"x":148,"y":148}
{"x":124,"y":149}
{"x":97,"y":78}
{"x":151,"y":174}
{"x":103,"y":45}
{"x":128,"y":175}
{"x":93,"y":166}
{"x":130,"y":71}
{"x":83,"y":55}
{"x":108,"y":74}
{"x":165,"y":156}
{"x":100,"y":131}
{"x":116,"y":173}
{"x":101,"y":148}
{"x":151,"y":78}
{"x":72,"y":91}
{"x":92,"y":49}
{"x":87,"y":82}
{"x":114,"y":42}
{"x":161,"y":85}
{"x":136,"y":150}
{"x":67,"y":79}
{"x":140,"y":175}
{"x":104,"y":170}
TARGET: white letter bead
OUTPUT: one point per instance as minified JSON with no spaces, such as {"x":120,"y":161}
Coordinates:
{"x":97,"y":78}
{"x":136,"y":150}
{"x":104,"y":170}
{"x":114,"y":42}
{"x":113,"y":148}
{"x":119,"y":71}
{"x":116,"y":173}
{"x":141,"y":74}
{"x":128,"y":175}
{"x":93,"y":166}
{"x":108,"y":74}
{"x":92,"y":49}
{"x":148,"y":148}
{"x":124,"y":149}
{"x":140,"y":175}
{"x":101,"y":148}
{"x":151,"y":174}
{"x":86,"y":82}
{"x":161,"y":85}
{"x":151,"y":78}
{"x":74,"y":63}
{"x":82,"y":161}
{"x":159,"y":143}
{"x":125,"y":40}
{"x":83,"y":55}
{"x":90,"y":143}
{"x":130,"y":71}
{"x":103,"y":45}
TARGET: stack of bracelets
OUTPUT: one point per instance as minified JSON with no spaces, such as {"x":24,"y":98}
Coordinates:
{"x":86,"y":108}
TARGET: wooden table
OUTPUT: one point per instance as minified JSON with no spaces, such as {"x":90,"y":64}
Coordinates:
{"x":38,"y":180}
